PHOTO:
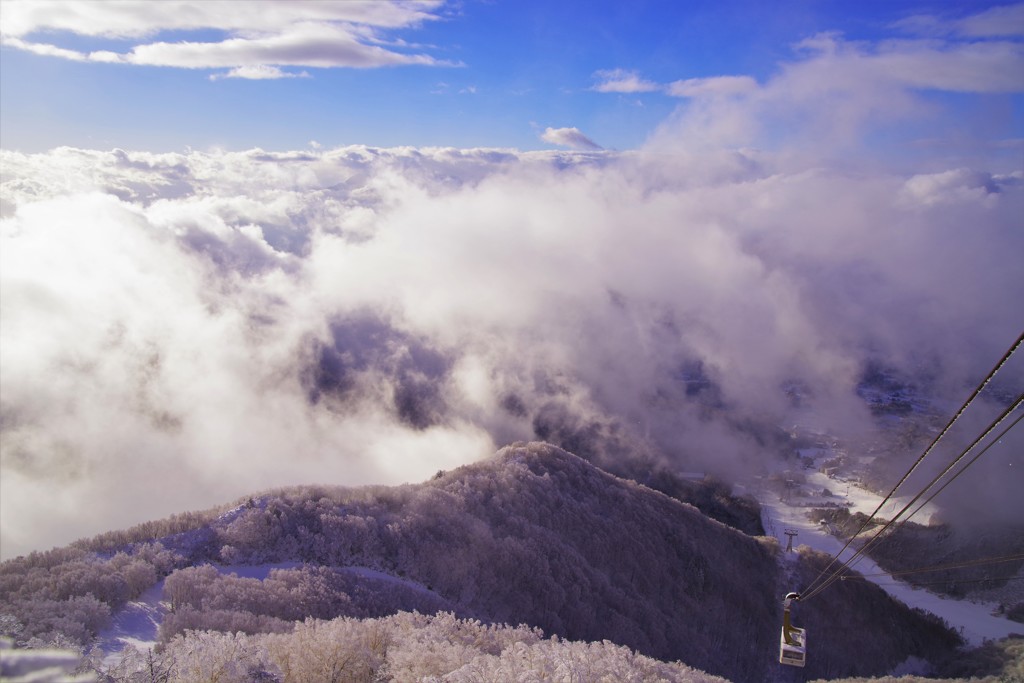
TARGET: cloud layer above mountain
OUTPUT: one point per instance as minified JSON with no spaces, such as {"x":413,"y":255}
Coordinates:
{"x":178,"y":329}
{"x":183,"y":328}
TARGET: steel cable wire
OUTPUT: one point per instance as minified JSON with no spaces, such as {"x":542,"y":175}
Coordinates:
{"x":811,"y":588}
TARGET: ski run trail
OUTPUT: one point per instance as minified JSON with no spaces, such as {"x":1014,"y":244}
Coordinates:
{"x":975,"y":621}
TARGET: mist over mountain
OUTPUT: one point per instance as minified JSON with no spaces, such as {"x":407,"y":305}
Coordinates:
{"x":181,"y":328}
{"x":532,"y":536}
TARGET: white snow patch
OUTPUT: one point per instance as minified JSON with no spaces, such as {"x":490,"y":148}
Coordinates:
{"x":135,"y":624}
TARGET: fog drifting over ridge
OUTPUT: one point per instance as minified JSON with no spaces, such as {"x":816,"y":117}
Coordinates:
{"x":181,"y":329}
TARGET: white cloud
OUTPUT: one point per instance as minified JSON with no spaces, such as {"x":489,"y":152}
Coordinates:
{"x":44,"y":49}
{"x":714,"y":86}
{"x":295,"y":33}
{"x":181,"y":329}
{"x":952,"y":187}
{"x":572,"y":138}
{"x":301,"y":44}
{"x":999,"y":21}
{"x":835,"y":89}
{"x":1007,"y":20}
{"x":974,"y":67}
{"x":259,"y":73}
{"x":139,"y":18}
{"x":622,"y":81}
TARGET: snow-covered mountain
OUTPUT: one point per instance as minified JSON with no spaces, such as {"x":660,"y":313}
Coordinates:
{"x":532,"y":536}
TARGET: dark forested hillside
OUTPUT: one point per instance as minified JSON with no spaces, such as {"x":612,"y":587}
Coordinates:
{"x":539,"y":536}
{"x":532,"y":536}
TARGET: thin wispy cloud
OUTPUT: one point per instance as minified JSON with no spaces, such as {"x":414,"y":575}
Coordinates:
{"x":1002,"y":21}
{"x":863,"y":74}
{"x":711,"y":87}
{"x":255,"y":44}
{"x":973,"y":66}
{"x":837,"y":87}
{"x":622,"y":81}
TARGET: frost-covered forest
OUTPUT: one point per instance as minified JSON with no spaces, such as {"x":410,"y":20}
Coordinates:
{"x":404,"y":647}
{"x":534,"y":536}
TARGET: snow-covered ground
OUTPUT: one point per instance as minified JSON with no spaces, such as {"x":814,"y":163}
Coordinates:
{"x":137,"y":623}
{"x":134,"y":625}
{"x":856,"y":499}
{"x":975,"y":620}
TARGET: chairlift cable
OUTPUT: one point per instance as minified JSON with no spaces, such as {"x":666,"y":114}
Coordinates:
{"x":956,"y":416}
{"x":937,"y":583}
{"x":900,"y":522}
{"x":968,"y":464}
{"x":939,"y":567}
{"x":846,"y":565}
{"x":864,"y":548}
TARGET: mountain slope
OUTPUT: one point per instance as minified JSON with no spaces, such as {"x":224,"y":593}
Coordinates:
{"x":534,"y":535}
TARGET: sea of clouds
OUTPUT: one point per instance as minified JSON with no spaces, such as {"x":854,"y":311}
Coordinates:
{"x":181,"y":329}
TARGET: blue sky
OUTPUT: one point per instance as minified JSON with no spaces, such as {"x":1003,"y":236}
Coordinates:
{"x":501,"y":73}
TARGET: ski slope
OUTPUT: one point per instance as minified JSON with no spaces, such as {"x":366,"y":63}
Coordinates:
{"x":974,"y":620}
